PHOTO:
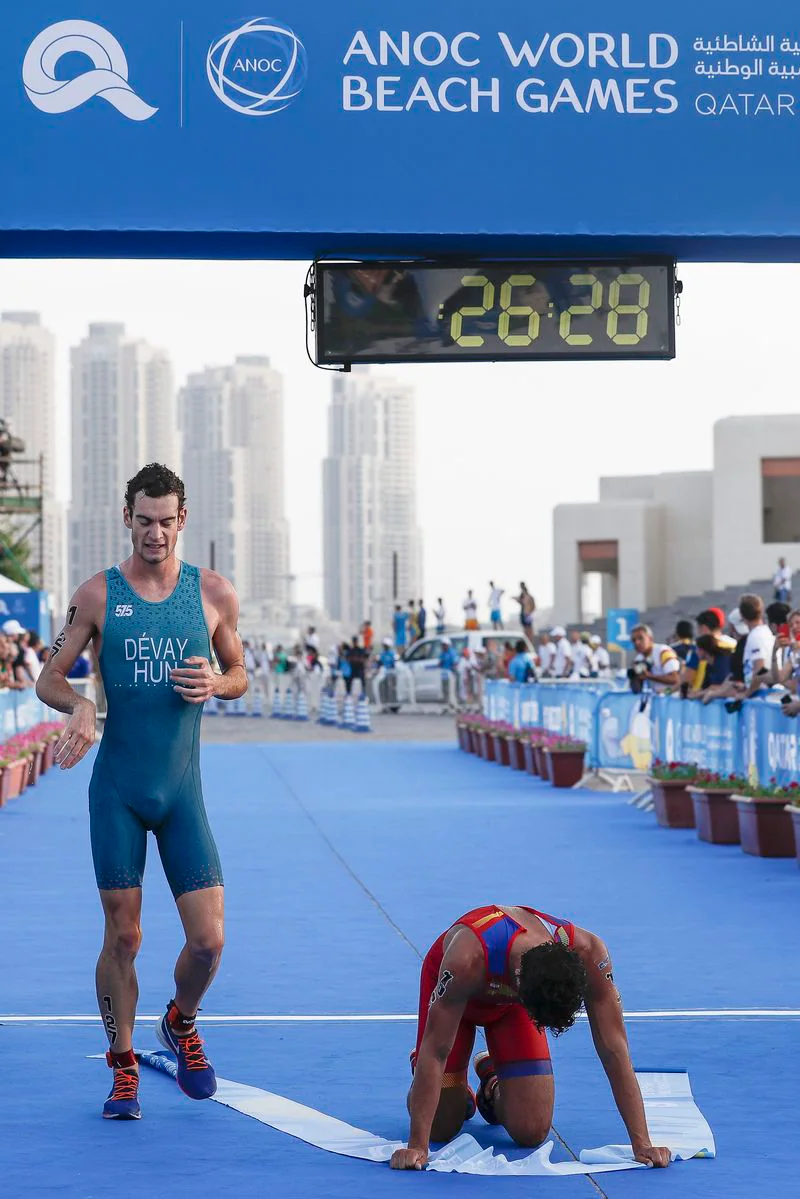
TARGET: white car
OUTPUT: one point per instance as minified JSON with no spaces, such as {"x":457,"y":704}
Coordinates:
{"x":421,"y":661}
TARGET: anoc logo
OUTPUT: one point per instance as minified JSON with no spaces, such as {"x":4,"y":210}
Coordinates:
{"x":107,"y":78}
{"x":259,"y":68}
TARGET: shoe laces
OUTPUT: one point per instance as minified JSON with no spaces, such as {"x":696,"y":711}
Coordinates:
{"x":126,"y":1084}
{"x":192,"y":1049}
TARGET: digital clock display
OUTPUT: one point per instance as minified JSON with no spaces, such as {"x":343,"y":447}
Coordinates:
{"x":489,"y":311}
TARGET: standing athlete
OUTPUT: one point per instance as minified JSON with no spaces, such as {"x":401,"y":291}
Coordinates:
{"x":515,"y":972}
{"x":152,"y":621}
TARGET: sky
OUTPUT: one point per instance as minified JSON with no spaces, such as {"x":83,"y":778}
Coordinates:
{"x":498,"y":446}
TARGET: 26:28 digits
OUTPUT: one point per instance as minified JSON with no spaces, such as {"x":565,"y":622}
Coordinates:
{"x":618,"y":329}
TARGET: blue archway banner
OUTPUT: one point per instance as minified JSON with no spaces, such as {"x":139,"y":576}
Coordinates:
{"x":314,"y":128}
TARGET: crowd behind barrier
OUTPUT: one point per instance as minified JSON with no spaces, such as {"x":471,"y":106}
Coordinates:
{"x":627,"y":732}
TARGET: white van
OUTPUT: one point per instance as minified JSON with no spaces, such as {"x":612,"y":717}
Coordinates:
{"x":422,"y":660}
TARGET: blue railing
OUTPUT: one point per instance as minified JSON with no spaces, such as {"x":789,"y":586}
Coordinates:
{"x":20,"y":711}
{"x":623,"y":732}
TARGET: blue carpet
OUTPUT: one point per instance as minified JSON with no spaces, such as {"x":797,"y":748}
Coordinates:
{"x":343,"y":862}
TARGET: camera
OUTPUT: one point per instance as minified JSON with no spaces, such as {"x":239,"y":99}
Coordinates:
{"x":637,"y":672}
{"x":733,"y":705}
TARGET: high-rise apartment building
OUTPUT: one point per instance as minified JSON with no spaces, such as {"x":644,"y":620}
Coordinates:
{"x":27,"y":402}
{"x":232,"y":426}
{"x":372,"y":544}
{"x":123,"y":416}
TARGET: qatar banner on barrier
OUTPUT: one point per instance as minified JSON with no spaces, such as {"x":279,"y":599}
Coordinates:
{"x":306,"y":128}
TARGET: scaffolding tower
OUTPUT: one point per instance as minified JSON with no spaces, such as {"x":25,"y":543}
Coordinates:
{"x":22,"y":515}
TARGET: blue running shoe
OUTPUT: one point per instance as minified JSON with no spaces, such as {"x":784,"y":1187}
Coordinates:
{"x":123,"y":1100}
{"x":196,"y":1077}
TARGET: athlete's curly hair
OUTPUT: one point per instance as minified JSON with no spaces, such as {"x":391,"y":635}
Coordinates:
{"x":155,"y":480}
{"x":552,"y":986}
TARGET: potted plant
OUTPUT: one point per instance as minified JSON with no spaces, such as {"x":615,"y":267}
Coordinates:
{"x":500,"y":735}
{"x":715,"y":815}
{"x":37,"y":756}
{"x":462,"y":730}
{"x":52,"y":734}
{"x":14,"y":770}
{"x":765,"y":825}
{"x":529,"y":750}
{"x":540,"y":741}
{"x":673,"y":804}
{"x":793,"y":812}
{"x":565,"y":757}
{"x":514,"y":742}
{"x":485,"y":738}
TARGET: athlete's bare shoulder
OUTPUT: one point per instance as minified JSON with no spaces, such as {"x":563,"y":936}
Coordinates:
{"x":89,"y":601}
{"x":217,"y":589}
{"x":463,"y":949}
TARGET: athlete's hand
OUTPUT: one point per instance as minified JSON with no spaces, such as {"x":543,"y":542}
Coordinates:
{"x":652,"y":1156}
{"x":409,"y":1159}
{"x":78,"y":736}
{"x":194,"y":680}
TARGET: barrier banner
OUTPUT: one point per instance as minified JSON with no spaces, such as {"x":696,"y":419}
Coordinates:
{"x":769,"y":744}
{"x":20,"y":711}
{"x":435,"y":125}
{"x":689,"y":731}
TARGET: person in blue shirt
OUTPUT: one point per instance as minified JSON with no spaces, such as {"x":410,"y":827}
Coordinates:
{"x":447,"y":660}
{"x":520,"y":668}
{"x":400,"y":621}
{"x":387,"y":658}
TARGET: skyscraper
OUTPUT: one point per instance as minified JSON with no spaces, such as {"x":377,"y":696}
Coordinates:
{"x":232,"y":424}
{"x":27,"y":402}
{"x":123,"y":416}
{"x":372,"y":544}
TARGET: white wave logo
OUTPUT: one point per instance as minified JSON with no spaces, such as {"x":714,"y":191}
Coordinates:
{"x":108,"y":80}
{"x":258,"y":69}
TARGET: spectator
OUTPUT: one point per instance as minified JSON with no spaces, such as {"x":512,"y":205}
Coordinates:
{"x":600,"y":662}
{"x":312,"y":638}
{"x":8,"y":656}
{"x":400,"y":622}
{"x":782,"y":582}
{"x":367,"y":635}
{"x":508,"y":654}
{"x":495,"y":599}
{"x":386,"y":678}
{"x":33,"y":655}
{"x":527,"y":607}
{"x":315,"y":675}
{"x":438,"y":616}
{"x":470,"y":612}
{"x":520,"y":668}
{"x":580,"y":658}
{"x":422,"y":618}
{"x":413,"y":627}
{"x":757,"y":657}
{"x":562,"y":659}
{"x":468,"y":675}
{"x":447,"y":665}
{"x":683,"y":641}
{"x":491,"y":662}
{"x":547,"y":655}
{"x":357,"y":657}
{"x":788,"y":672}
{"x":345,"y":667}
{"x":249,"y":664}
{"x":656,"y":667}
{"x":733,"y":686}
{"x":703,"y":671}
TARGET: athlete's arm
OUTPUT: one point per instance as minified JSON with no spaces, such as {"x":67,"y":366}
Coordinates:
{"x":200,"y":681}
{"x":460,"y":975}
{"x":604,"y":1009}
{"x":54,"y":689}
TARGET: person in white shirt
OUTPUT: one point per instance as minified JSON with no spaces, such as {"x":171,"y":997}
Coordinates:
{"x":580,"y":657}
{"x":546,"y":654}
{"x":439,"y":616}
{"x":656,"y":667}
{"x":495,"y":613}
{"x":562,"y":662}
{"x":312,"y":638}
{"x":470,"y":607}
{"x":757,"y":657}
{"x":782,"y":582}
{"x":601,"y":662}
